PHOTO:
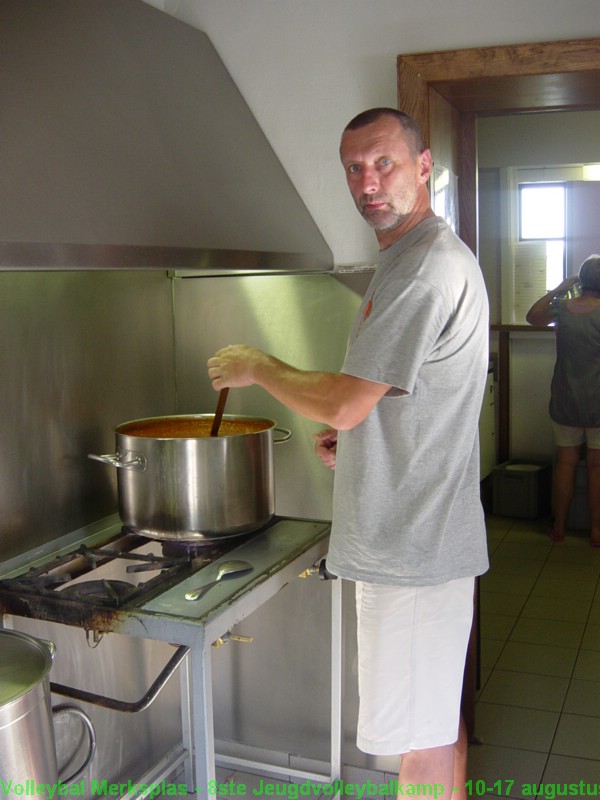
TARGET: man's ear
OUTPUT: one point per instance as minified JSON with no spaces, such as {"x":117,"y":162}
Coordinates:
{"x":426,"y":163}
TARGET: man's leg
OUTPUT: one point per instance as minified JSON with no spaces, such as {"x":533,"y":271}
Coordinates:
{"x":434,"y":766}
{"x":444,"y":766}
{"x":563,"y":486}
{"x":460,"y":762}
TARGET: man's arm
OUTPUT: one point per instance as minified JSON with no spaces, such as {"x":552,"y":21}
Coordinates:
{"x":541,"y":312}
{"x":336,"y":399}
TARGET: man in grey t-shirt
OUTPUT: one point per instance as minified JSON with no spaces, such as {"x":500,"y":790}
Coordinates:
{"x":407,"y":525}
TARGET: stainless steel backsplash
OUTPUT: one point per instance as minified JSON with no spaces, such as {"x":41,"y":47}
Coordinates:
{"x":79,"y":353}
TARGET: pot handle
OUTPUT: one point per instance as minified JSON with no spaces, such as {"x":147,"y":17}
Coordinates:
{"x":91,"y":734}
{"x":51,"y":648}
{"x":121,"y":460}
{"x":286,"y":435}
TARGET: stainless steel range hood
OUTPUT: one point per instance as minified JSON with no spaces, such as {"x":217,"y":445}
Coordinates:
{"x":126,"y":144}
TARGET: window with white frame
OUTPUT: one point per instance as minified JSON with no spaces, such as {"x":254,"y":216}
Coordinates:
{"x":533,"y":252}
{"x":542,"y":210}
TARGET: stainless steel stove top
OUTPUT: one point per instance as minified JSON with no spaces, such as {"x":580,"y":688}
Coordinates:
{"x":103,"y":578}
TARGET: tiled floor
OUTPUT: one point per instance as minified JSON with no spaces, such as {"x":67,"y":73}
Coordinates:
{"x":538,"y":708}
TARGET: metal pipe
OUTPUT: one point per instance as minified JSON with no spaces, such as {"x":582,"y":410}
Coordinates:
{"x":124,"y":705}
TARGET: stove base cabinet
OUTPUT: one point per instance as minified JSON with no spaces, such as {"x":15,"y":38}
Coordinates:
{"x":175,"y":735}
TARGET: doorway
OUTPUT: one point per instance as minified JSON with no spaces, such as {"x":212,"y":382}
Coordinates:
{"x":446,"y":91}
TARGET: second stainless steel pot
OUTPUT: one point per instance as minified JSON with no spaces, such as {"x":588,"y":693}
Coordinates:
{"x":176,"y":485}
{"x":27,"y":743}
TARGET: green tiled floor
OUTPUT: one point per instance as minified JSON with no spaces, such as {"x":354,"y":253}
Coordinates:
{"x":538,"y":708}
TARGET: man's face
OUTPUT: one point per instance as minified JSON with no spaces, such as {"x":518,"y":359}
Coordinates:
{"x":385,"y":177}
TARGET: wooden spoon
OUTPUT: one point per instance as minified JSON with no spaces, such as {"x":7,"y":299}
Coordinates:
{"x":214,"y":431}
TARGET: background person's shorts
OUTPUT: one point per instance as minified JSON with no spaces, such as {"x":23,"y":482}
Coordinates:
{"x":570,"y":436}
{"x":412,"y":643}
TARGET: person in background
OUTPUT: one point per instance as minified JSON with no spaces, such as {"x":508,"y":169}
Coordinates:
{"x":575,"y":389}
{"x":408,"y":526}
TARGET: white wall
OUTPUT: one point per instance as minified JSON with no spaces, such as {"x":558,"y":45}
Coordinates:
{"x":534,"y":140}
{"x":306,"y":67}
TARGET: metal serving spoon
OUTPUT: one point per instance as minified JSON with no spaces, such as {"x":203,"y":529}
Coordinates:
{"x":228,"y":569}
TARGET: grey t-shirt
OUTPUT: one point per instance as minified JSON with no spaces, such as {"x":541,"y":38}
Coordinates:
{"x":406,"y":508}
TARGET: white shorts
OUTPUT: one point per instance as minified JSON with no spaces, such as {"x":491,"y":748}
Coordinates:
{"x":412,"y":644}
{"x":570,"y":436}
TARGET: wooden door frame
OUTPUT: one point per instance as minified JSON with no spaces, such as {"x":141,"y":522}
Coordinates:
{"x":556,"y":75}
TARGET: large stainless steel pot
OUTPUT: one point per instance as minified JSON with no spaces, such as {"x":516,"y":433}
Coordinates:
{"x":177,"y":482}
{"x":27,"y":742}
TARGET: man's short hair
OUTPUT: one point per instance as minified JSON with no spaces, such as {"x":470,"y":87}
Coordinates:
{"x":411,"y":128}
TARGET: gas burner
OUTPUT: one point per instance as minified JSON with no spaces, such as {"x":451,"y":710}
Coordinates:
{"x":205,"y":550}
{"x":104,"y":591}
{"x":130,"y":548}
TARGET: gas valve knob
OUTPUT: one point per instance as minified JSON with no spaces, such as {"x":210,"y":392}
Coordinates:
{"x":231,"y":637}
{"x":319,"y":568}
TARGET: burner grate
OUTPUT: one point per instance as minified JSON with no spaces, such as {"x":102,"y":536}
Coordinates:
{"x":60,"y":581}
